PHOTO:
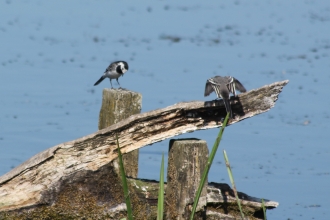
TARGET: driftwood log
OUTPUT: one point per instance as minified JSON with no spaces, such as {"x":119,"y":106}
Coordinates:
{"x":41,"y":180}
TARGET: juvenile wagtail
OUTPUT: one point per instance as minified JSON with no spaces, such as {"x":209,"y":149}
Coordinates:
{"x":223,"y":86}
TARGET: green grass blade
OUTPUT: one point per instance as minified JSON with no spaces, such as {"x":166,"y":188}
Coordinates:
{"x":208,"y":166}
{"x":263,"y":208}
{"x":233,"y":183}
{"x":160,"y":205}
{"x":124,"y":181}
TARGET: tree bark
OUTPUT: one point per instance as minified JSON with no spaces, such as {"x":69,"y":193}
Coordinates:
{"x":38,"y":180}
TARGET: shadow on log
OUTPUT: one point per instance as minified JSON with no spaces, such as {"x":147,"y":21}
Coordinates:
{"x":40,"y":181}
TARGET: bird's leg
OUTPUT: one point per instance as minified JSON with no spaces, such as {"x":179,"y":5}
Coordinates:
{"x":118,"y":83}
{"x":111,"y":84}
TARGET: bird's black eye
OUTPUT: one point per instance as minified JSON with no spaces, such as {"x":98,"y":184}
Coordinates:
{"x":118,"y":69}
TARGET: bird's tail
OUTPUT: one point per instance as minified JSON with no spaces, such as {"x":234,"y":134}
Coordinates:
{"x":224,"y":94}
{"x":228,"y":107}
{"x":100,"y":80}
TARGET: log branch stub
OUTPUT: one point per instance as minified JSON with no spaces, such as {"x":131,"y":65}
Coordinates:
{"x":187,"y":159}
{"x":117,"y":105}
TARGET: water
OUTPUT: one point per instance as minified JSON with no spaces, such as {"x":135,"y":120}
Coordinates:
{"x":53,"y":52}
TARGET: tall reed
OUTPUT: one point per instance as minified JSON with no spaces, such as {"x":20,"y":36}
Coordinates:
{"x":124,"y":181}
{"x":208,"y":166}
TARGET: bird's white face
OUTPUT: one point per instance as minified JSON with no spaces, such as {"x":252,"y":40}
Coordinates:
{"x":122,"y":67}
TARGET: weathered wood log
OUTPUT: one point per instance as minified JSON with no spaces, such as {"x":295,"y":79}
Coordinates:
{"x":75,"y":203}
{"x":119,"y":104}
{"x":40,"y":180}
{"x":221,"y":201}
{"x":187,"y":159}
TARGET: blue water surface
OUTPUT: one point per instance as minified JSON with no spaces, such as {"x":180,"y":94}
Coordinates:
{"x":52,"y":52}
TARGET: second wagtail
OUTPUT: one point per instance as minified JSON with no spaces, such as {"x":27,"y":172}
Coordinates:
{"x":223,"y":86}
{"x":114,"y":71}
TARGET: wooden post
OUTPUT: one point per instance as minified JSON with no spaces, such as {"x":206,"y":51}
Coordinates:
{"x":116,"y":106}
{"x":187,"y":159}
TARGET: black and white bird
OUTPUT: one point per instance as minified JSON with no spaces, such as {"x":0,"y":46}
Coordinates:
{"x":223,"y":86}
{"x":114,"y":71}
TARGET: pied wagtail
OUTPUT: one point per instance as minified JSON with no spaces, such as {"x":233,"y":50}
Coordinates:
{"x":114,"y":71}
{"x":223,"y":86}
